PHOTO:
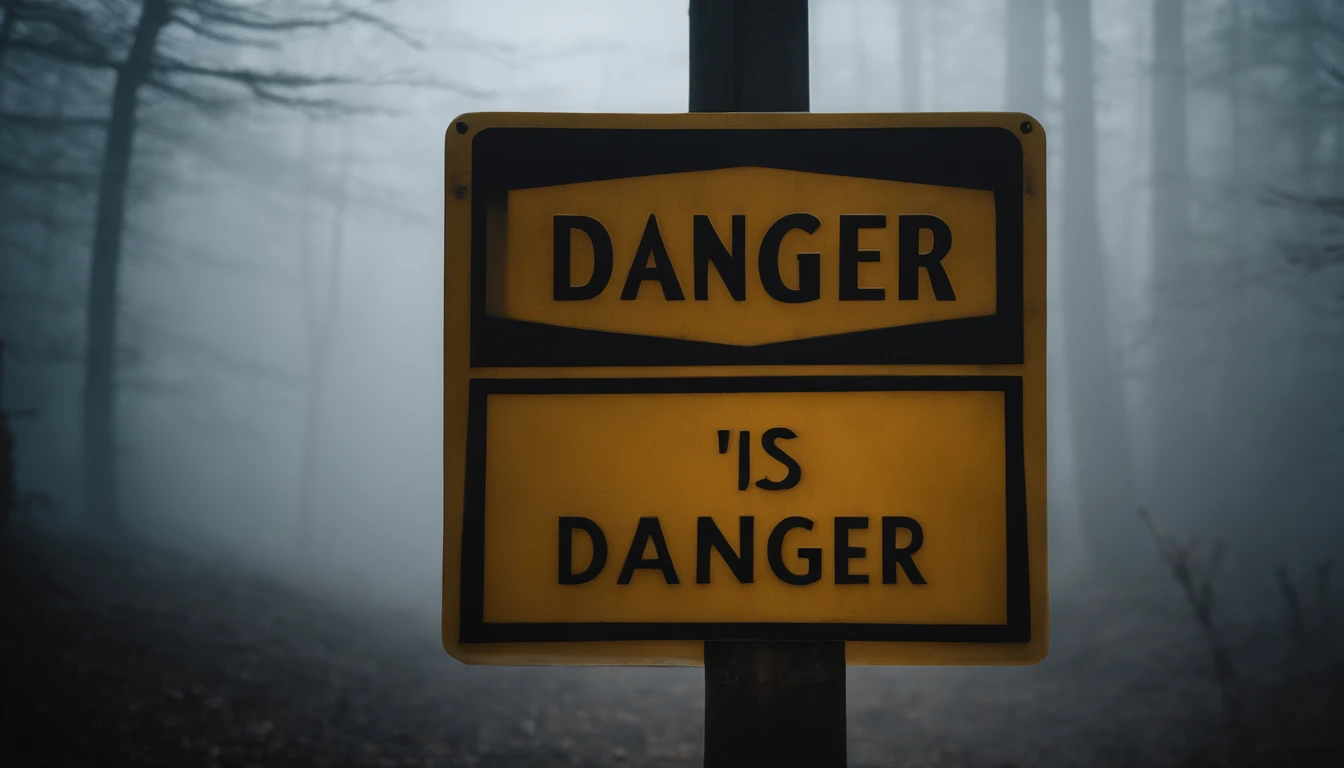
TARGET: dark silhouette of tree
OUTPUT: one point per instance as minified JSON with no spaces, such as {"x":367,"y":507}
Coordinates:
{"x":8,"y":488}
{"x":860,"y":74}
{"x":34,"y":39}
{"x":1178,"y":429}
{"x":162,"y":55}
{"x":911,"y":98}
{"x":1025,"y":28}
{"x":1100,"y":427}
{"x":319,"y":322}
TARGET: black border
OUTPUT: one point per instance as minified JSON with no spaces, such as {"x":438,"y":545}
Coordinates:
{"x":474,"y":629}
{"x":987,"y":158}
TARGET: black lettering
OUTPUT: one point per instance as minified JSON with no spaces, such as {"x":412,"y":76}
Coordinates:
{"x":851,"y":257}
{"x":910,"y":260}
{"x":567,"y":527}
{"x":844,"y":552}
{"x":774,"y":551}
{"x":648,"y":530}
{"x":661,"y":269}
{"x":893,"y":555}
{"x":794,"y":472}
{"x":809,"y":264}
{"x":743,"y":460}
{"x":708,"y":536}
{"x":563,"y":228}
{"x":732,"y":267}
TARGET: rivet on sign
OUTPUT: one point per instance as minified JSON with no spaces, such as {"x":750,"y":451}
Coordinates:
{"x":460,"y":190}
{"x":461,"y":127}
{"x":1026,"y":126}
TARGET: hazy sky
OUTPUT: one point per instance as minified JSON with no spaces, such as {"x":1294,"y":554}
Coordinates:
{"x":212,"y":281}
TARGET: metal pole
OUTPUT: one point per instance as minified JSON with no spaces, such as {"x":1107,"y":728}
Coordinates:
{"x":771,"y":703}
{"x":749,"y":56}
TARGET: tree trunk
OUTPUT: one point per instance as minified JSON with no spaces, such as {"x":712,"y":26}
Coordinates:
{"x":1338,"y":184}
{"x":910,"y":70}
{"x":935,"y":30}
{"x":1236,"y":71}
{"x":50,"y":209}
{"x":8,"y":487}
{"x":11,"y":11}
{"x":303,"y":530}
{"x":1026,"y":57}
{"x":1104,"y":466}
{"x":100,"y":486}
{"x":1337,"y":180}
{"x":858,"y":54}
{"x":320,"y":333}
{"x":1232,"y":387}
{"x":1306,"y":71}
{"x":7,"y":23}
{"x":1177,"y":431}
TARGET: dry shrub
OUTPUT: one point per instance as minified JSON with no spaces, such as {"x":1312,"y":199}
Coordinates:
{"x":1291,"y":716}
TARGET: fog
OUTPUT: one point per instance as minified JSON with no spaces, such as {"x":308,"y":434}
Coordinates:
{"x":277,"y":368}
{"x":212,"y":387}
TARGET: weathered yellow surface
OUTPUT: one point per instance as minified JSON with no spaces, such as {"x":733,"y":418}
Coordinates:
{"x":937,"y":457}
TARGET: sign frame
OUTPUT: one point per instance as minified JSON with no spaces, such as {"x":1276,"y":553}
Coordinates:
{"x":471,"y":370}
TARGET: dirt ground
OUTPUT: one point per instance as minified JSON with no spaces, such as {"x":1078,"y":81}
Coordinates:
{"x":147,"y":656}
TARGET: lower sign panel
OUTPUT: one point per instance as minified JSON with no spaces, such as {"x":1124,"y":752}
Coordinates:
{"x":841,"y":508}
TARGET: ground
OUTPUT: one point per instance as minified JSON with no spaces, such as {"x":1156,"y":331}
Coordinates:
{"x":143,"y":655}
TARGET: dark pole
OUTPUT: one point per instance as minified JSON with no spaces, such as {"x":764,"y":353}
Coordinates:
{"x":749,"y":56}
{"x":774,"y":703}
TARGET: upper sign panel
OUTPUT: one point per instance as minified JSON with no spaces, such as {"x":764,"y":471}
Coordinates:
{"x":745,"y":256}
{"x":636,"y":247}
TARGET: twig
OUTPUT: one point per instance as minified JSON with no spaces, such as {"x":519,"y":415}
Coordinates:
{"x":1196,"y":581}
{"x":1325,"y":630}
{"x":1292,"y":615}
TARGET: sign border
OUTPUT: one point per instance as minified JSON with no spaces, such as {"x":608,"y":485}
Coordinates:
{"x":505,"y":158}
{"x":474,"y":629}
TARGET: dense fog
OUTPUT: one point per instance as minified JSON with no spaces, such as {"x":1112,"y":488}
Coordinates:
{"x":274,"y":390}
{"x":279,"y":318}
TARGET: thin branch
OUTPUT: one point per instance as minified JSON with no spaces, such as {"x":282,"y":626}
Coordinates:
{"x":49,"y":353}
{"x":46,"y":122}
{"x":43,"y":176}
{"x":212,"y":104}
{"x":215,"y":35}
{"x":335,"y":15}
{"x":73,"y":24}
{"x":246,"y":77}
{"x":205,"y":352}
{"x":48,"y":50}
{"x":50,"y":302}
{"x":151,"y":248}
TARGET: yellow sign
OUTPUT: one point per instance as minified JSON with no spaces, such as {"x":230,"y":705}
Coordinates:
{"x":744,"y":377}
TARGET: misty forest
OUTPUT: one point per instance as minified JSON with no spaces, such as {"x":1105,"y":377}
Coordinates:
{"x":221,"y":378}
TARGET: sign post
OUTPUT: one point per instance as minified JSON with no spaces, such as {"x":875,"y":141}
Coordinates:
{"x":759,"y":391}
{"x":775,"y":703}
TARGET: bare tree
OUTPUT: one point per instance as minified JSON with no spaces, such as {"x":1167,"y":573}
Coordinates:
{"x":911,"y":99}
{"x":45,"y":164}
{"x":10,"y":8}
{"x":1105,"y":473}
{"x":152,"y":63}
{"x":1025,"y":90}
{"x":319,"y":321}
{"x":8,"y":492}
{"x":1172,"y":283}
{"x":856,"y":11}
